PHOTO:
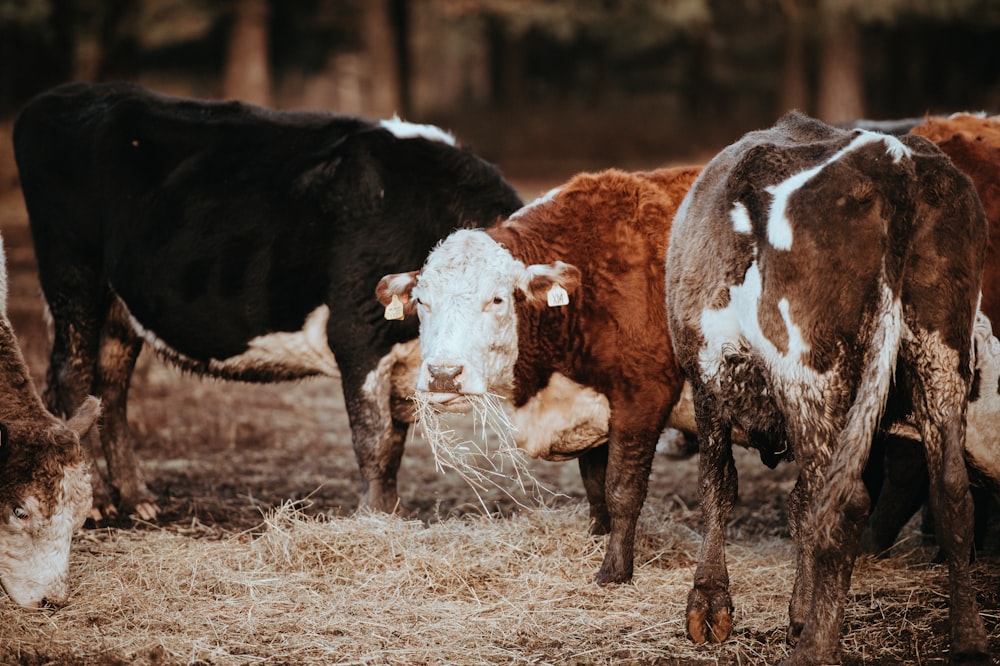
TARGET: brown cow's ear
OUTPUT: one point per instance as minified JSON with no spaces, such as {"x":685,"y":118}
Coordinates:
{"x":85,"y":417}
{"x":398,"y":285}
{"x":550,"y":285}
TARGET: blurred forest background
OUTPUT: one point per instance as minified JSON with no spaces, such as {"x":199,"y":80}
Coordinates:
{"x":529,"y":83}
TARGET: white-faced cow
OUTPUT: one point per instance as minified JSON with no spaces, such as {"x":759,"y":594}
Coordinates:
{"x":818,"y":279}
{"x":44,"y":479}
{"x":566,"y":293}
{"x":241,"y":243}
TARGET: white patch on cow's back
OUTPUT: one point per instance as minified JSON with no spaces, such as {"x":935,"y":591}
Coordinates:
{"x":404,"y":130}
{"x":737,"y":324}
{"x":303,"y":353}
{"x":741,"y":218}
{"x":779,"y":227}
{"x":562,"y":420}
{"x":545,"y":198}
{"x":797,"y":346}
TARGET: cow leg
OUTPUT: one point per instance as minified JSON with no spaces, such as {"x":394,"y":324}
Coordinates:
{"x":951,"y":503}
{"x":630,"y":458}
{"x":378,"y":439}
{"x":593,"y":470}
{"x":120,"y":347}
{"x":899,"y":493}
{"x":827,"y":547}
{"x":77,"y":308}
{"x":802,"y":589}
{"x":709,"y":606}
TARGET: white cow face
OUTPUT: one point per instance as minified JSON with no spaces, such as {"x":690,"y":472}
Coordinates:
{"x":465,"y":297}
{"x":45,"y":497}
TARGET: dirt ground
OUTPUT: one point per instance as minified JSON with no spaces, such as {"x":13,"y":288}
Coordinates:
{"x":220,"y":455}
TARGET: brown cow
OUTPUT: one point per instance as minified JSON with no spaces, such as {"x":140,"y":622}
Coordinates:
{"x":972,"y":141}
{"x":567,"y":291}
{"x":809,"y":266}
{"x":973,"y":144}
{"x":44,"y":479}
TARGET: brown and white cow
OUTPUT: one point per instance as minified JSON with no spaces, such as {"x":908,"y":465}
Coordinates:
{"x":808,"y":267}
{"x":44,"y":479}
{"x":597,"y":244}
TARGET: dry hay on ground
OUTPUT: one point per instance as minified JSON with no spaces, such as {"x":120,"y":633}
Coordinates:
{"x":375,"y":589}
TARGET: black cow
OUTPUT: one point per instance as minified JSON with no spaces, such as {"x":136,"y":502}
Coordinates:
{"x":242,"y":243}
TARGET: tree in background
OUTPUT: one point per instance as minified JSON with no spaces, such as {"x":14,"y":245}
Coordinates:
{"x":247,"y":71}
{"x":620,"y":78}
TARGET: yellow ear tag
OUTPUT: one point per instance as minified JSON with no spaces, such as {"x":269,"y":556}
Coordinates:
{"x":395,"y":308}
{"x":557,"y":296}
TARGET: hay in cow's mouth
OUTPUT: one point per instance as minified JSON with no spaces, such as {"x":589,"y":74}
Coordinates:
{"x":493,"y":461}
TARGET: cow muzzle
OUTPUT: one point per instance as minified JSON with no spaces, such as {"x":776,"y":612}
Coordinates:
{"x":445,"y":378}
{"x":443,"y":385}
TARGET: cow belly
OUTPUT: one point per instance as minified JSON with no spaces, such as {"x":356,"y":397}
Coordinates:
{"x":274,"y":356}
{"x":561,"y":421}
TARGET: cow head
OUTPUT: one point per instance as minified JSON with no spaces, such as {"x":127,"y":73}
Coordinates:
{"x":45,"y":495}
{"x":467,"y":296}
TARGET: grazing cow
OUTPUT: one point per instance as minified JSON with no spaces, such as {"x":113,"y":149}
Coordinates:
{"x":44,"y":479}
{"x":972,"y":142}
{"x":241,"y":243}
{"x":808,"y":267}
{"x":566,"y":295}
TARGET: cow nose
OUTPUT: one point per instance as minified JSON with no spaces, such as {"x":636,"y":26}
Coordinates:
{"x":52,"y":604}
{"x":445,"y":378}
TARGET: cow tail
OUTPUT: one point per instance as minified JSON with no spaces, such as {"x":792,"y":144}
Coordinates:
{"x":854,"y":442}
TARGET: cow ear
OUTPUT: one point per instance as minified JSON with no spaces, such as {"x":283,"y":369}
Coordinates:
{"x":399,"y":286}
{"x":85,"y":417}
{"x":551,"y":285}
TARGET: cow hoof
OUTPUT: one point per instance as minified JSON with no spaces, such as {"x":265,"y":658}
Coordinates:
{"x":608,"y":575}
{"x":971,"y":657}
{"x":709,"y":616}
{"x":103,"y":511}
{"x":147,"y":511}
{"x":99,"y":514}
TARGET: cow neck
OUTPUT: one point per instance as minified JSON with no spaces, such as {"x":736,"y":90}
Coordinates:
{"x":527,"y":237}
{"x":18,"y":398}
{"x":542,"y":336}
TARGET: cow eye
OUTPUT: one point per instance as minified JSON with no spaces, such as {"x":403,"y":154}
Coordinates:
{"x":497,"y":300}
{"x":20,"y":513}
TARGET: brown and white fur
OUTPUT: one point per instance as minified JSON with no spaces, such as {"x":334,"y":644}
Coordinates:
{"x":45,"y":490}
{"x":819,"y":280}
{"x":487,"y":326}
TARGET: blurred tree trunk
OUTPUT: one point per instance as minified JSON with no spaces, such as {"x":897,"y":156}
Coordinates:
{"x":841,"y":85}
{"x":506,"y":66}
{"x":382,"y":80}
{"x":795,"y":77}
{"x":247,"y":70}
